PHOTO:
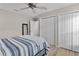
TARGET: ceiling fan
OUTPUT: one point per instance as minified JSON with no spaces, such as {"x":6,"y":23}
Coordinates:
{"x":31,"y":6}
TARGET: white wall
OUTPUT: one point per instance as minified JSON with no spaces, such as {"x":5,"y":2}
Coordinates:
{"x":11,"y":23}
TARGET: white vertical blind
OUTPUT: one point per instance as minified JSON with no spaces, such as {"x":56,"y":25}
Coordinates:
{"x":47,"y":29}
{"x":76,"y":32}
{"x":65,"y":31}
{"x":69,"y":31}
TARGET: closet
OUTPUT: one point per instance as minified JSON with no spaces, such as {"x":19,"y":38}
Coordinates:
{"x":68,"y":31}
{"x":48,"y":29}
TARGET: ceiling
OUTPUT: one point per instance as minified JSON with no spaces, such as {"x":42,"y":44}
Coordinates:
{"x":29,"y":12}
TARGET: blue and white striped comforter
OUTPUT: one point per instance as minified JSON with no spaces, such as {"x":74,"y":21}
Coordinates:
{"x":21,"y":46}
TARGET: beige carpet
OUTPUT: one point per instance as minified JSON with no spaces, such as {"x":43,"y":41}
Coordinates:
{"x":61,"y":52}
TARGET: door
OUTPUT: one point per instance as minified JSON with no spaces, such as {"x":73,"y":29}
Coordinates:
{"x":35,"y":27}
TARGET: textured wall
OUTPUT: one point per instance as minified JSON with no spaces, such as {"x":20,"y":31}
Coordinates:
{"x":10,"y":23}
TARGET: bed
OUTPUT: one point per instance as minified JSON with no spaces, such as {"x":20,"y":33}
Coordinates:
{"x":23,"y":46}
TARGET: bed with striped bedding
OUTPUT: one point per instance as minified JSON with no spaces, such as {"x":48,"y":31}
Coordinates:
{"x":22,"y":46}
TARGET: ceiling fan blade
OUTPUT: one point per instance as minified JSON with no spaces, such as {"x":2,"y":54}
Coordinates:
{"x":24,"y":8}
{"x":21,"y":9}
{"x":42,"y":8}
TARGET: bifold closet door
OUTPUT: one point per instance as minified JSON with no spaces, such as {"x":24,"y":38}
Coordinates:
{"x":76,"y":32}
{"x":65,"y":29}
{"x":48,"y":29}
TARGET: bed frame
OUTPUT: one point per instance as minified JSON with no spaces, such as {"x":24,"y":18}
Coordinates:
{"x":43,"y":52}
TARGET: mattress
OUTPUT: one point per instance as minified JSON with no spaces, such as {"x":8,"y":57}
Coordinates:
{"x":23,"y":46}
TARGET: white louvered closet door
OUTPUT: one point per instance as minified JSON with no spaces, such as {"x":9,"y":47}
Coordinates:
{"x":65,"y":27}
{"x":48,"y":29}
{"x":76,"y":32}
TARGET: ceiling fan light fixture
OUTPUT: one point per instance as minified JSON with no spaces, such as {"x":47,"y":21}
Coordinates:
{"x":31,"y":6}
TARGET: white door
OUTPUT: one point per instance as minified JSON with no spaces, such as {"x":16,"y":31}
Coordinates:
{"x":47,"y":29}
{"x":65,"y":31}
{"x":76,"y":32}
{"x":34,"y":27}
